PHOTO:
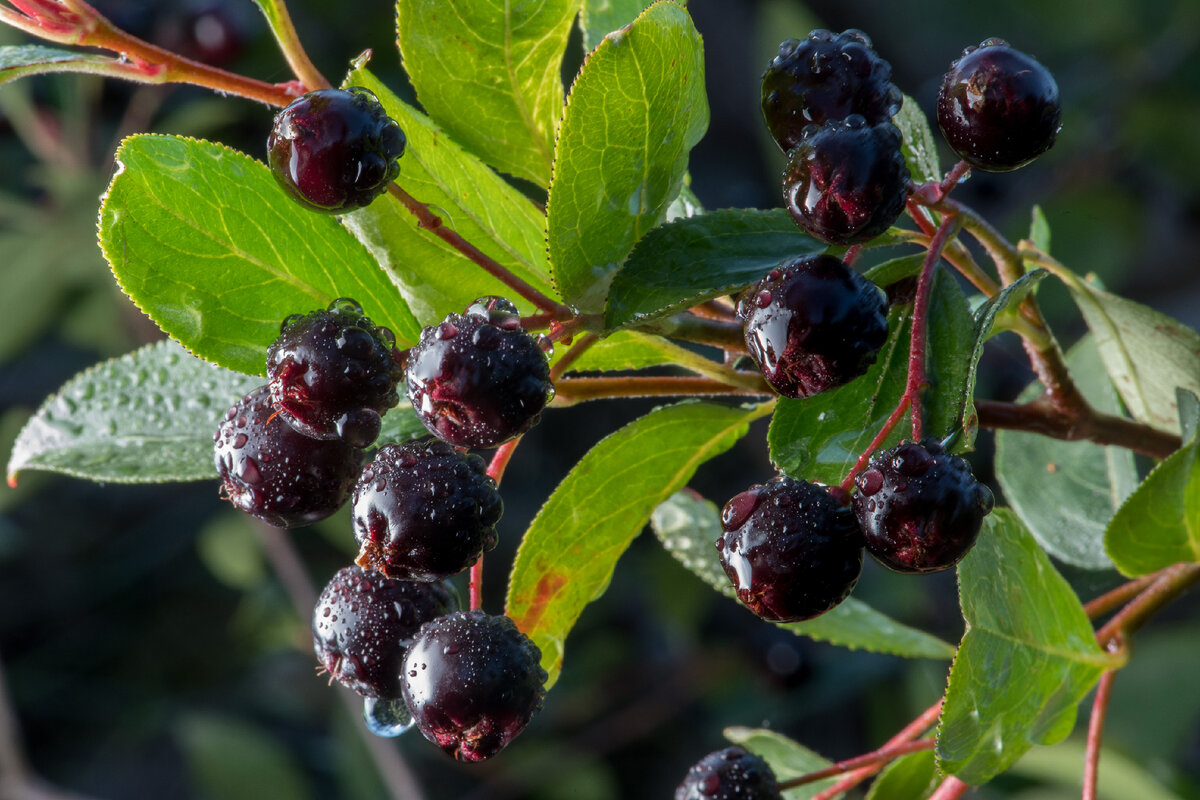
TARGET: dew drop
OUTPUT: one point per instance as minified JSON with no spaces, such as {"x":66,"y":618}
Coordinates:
{"x":763,"y":299}
{"x":386,"y":718}
{"x":739,"y":509}
{"x":447,"y":330}
{"x":870,"y":481}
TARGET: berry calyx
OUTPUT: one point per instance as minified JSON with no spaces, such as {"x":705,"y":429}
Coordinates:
{"x":275,"y":473}
{"x":472,"y":682}
{"x":825,"y":77}
{"x":846,"y":182}
{"x":424,"y":511}
{"x":333,"y":373}
{"x":478,"y":379}
{"x":920,"y":508}
{"x":335,"y":150}
{"x":730,"y":774}
{"x":813,"y":324}
{"x":364,"y":622}
{"x":792,"y":549}
{"x":998,"y":107}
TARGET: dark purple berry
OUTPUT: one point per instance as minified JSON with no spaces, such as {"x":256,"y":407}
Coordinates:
{"x":424,"y":511}
{"x":998,"y":107}
{"x":792,"y":549}
{"x":730,"y":774}
{"x":919,"y":507}
{"x":472,"y":682}
{"x":333,"y":373}
{"x":270,"y":470}
{"x":364,"y":622}
{"x":335,"y":150}
{"x":478,"y":379}
{"x":813,"y":324}
{"x":846,"y":182}
{"x":822,"y":78}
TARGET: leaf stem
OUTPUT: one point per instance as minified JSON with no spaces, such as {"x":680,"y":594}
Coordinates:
{"x":280,"y":22}
{"x":916,"y":352}
{"x":1041,"y":416}
{"x":577,"y":390}
{"x":1112,"y":600}
{"x":433,"y":223}
{"x":951,"y":789}
{"x":573,"y":354}
{"x":1091,"y":765}
{"x":495,"y":471}
{"x":881,"y":756}
{"x":1171,"y":582}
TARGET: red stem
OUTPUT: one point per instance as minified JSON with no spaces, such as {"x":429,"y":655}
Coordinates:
{"x":916,"y":353}
{"x":951,"y":789}
{"x":1114,"y":599}
{"x":1091,"y":766}
{"x":881,"y":756}
{"x":877,"y":442}
{"x":495,"y":471}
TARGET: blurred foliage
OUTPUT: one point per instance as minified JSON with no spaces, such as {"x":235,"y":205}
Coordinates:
{"x":151,"y":651}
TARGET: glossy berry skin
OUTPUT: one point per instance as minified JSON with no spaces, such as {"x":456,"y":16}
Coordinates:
{"x":730,"y":774}
{"x":478,"y":379}
{"x":826,"y":77}
{"x":846,"y":182}
{"x":364,"y":622}
{"x":424,"y":511}
{"x":333,"y":373}
{"x":335,"y":150}
{"x":998,"y":107}
{"x":813,"y":324}
{"x":472,"y":682}
{"x":919,"y":507}
{"x":792,"y":549}
{"x":270,"y":470}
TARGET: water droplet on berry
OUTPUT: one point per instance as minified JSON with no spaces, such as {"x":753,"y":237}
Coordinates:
{"x":763,"y":299}
{"x":346,"y":305}
{"x":239,"y":441}
{"x":447,"y":330}
{"x":711,"y":784}
{"x":870,"y":481}
{"x":738,"y":510}
{"x":545,"y":344}
{"x":386,"y":718}
{"x":250,"y":472}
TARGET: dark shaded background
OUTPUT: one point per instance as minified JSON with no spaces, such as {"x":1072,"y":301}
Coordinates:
{"x":150,"y":647}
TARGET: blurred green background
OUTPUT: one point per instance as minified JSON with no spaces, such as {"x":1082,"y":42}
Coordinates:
{"x":150,"y":646}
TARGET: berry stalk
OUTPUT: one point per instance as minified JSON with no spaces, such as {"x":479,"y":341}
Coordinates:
{"x":578,"y":390}
{"x":883,"y":755}
{"x":293,"y":51}
{"x":1091,"y":767}
{"x":495,"y":471}
{"x":916,"y":353}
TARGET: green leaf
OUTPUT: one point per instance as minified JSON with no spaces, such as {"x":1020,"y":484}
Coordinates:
{"x":1028,"y":657}
{"x":19,"y":61}
{"x":570,"y":550}
{"x":895,"y":270}
{"x":489,"y":73}
{"x":1039,"y":229}
{"x":913,"y":777}
{"x":1159,"y":525}
{"x":632,"y":350}
{"x":471,"y":199}
{"x":684,"y":263}
{"x":1147,"y":354}
{"x":598,"y":18}
{"x":820,"y":438}
{"x":688,"y":525}
{"x":1067,"y":492}
{"x":204,"y":241}
{"x":787,"y":758}
{"x":236,"y":761}
{"x":919,"y":146}
{"x":635,"y":111}
{"x":147,"y":416}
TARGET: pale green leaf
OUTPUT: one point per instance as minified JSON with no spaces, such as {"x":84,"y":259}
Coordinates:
{"x":913,"y":777}
{"x":19,"y":61}
{"x":918,"y":145}
{"x":787,"y":758}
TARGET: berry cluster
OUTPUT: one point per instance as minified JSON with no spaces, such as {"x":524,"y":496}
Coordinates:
{"x":291,"y":453}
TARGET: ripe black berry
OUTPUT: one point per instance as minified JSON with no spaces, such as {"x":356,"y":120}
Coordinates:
{"x":335,"y":150}
{"x":478,"y":379}
{"x":826,"y":77}
{"x":333,"y":373}
{"x":364,"y":622}
{"x":998,"y":107}
{"x":919,"y":507}
{"x":792,"y":549}
{"x":472,"y":682}
{"x":270,"y":470}
{"x":730,"y":774}
{"x":813,"y":324}
{"x":846,"y":182}
{"x":424,"y":511}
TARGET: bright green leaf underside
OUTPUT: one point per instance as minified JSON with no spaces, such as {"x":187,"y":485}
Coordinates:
{"x":571,"y":548}
{"x":1028,"y":657}
{"x":635,"y":111}
{"x":688,"y":525}
{"x":787,"y":758}
{"x":19,"y":61}
{"x":204,"y":241}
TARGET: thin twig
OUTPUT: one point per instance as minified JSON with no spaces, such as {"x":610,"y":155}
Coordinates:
{"x":916,"y":353}
{"x":951,"y":789}
{"x":1112,"y":600}
{"x":1041,"y":416}
{"x":883,"y":755}
{"x":578,"y":390}
{"x":1172,"y":582}
{"x":909,"y":732}
{"x":495,"y":471}
{"x":1091,"y":764}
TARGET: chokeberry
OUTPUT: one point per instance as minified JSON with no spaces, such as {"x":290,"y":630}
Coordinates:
{"x":846,"y":182}
{"x":813,"y":324}
{"x":472,"y":682}
{"x":335,"y":150}
{"x":998,"y":107}
{"x":826,"y":77}
{"x":364,"y":622}
{"x":424,"y":510}
{"x":333,"y":373}
{"x":274,"y":472}
{"x":920,"y":508}
{"x":730,"y":774}
{"x":792,"y":549}
{"x":478,"y":379}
